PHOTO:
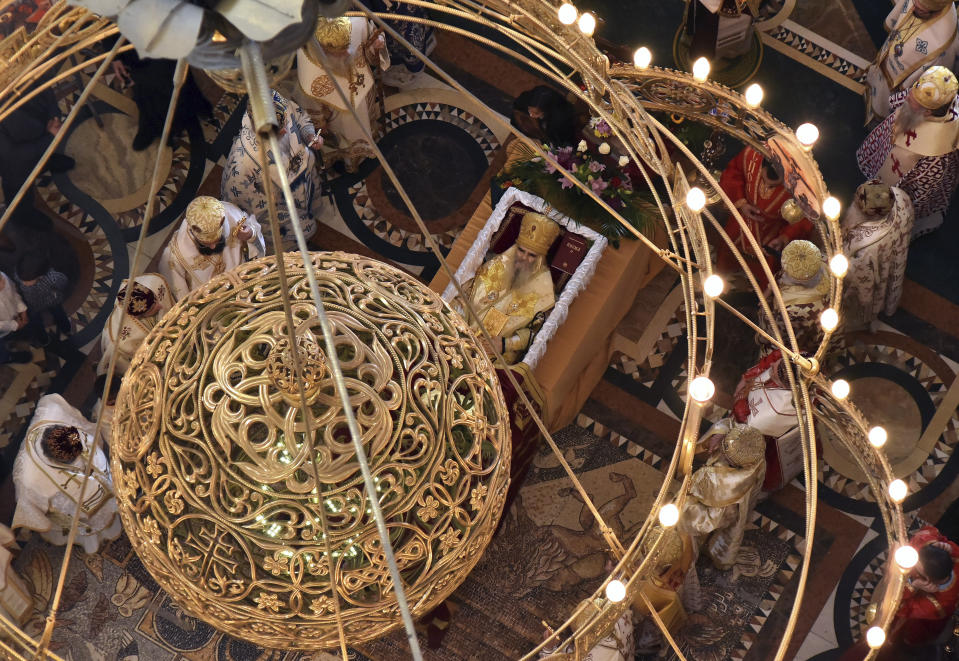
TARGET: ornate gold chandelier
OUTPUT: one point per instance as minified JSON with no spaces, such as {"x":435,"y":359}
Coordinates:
{"x":213,"y":455}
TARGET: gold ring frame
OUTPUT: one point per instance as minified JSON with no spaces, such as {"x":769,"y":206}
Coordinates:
{"x":530,"y":32}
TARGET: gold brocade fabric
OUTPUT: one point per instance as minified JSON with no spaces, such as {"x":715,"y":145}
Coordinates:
{"x":504,"y":310}
{"x":667,"y":603}
{"x":719,"y":501}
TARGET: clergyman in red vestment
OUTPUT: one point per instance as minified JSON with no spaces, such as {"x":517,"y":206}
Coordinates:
{"x":758,"y":192}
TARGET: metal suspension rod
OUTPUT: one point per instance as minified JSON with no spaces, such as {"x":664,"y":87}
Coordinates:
{"x":264,"y":120}
{"x":251,"y":51}
{"x":179,"y":76}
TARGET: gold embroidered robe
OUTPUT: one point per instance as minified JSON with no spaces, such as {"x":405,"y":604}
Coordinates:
{"x":718,"y":504}
{"x":127,"y":339}
{"x":320,"y":99}
{"x":185,"y":268}
{"x":513,"y":314}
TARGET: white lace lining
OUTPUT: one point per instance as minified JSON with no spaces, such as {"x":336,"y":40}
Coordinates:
{"x":576,"y":283}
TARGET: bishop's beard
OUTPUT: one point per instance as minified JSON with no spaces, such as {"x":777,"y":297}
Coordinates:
{"x":907,"y":119}
{"x":215,"y":250}
{"x":526,"y":270}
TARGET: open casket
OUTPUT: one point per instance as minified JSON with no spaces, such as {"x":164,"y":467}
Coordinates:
{"x":572,"y":259}
{"x":577,"y":351}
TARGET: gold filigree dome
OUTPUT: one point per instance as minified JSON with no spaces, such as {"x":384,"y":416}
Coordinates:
{"x":213,"y":468}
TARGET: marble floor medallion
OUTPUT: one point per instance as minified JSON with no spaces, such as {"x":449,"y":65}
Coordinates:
{"x":436,"y":163}
{"x":107,"y":170}
{"x":897,"y":383}
{"x":887,"y":403}
{"x":454,"y":147}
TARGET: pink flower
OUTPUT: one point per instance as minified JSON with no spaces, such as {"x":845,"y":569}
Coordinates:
{"x":598,"y":185}
{"x":596,"y":166}
{"x":565,"y":183}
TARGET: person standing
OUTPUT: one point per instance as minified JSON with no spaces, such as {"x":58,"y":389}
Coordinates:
{"x":921,"y":33}
{"x":43,"y":290}
{"x":876,"y":231}
{"x":545,"y":115}
{"x":243,"y":180}
{"x":353,"y":51}
{"x":724,"y":491}
{"x":24,"y":135}
{"x":758,"y":191}
{"x":915,"y":148}
{"x":149,"y":301}
{"x":404,"y":65}
{"x":929,"y":600}
{"x":804,"y":285}
{"x":214,"y":237}
{"x":13,"y":317}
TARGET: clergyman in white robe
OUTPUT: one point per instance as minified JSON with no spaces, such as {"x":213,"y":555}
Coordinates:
{"x":351,"y":47}
{"x":914,"y":43}
{"x":876,"y":231}
{"x":184,"y":262}
{"x":150,"y":300}
{"x":48,"y":490}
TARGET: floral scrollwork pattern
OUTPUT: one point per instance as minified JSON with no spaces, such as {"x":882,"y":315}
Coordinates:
{"x":227,"y":484}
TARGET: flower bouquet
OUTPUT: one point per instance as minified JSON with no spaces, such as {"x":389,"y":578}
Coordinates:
{"x":599,"y":173}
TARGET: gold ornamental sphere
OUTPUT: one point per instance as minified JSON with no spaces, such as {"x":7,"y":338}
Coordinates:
{"x":214,"y":463}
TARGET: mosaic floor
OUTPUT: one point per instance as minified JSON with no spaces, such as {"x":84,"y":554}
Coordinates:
{"x":114,"y":610}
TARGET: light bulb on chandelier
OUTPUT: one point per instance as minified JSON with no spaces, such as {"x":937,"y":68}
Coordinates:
{"x":695,"y":199}
{"x":567,"y":14}
{"x":829,"y":319}
{"x":839,"y":265}
{"x":906,"y":557}
{"x":587,"y":24}
{"x":669,"y":515}
{"x":754,"y":95}
{"x":615,"y":591}
{"x":877,"y":437}
{"x":831,"y":207}
{"x":713,"y":286}
{"x":875,"y":637}
{"x":701,"y":69}
{"x":702,"y":389}
{"x":840,"y":389}
{"x":898,"y":491}
{"x":642,"y":58}
{"x":807,"y":134}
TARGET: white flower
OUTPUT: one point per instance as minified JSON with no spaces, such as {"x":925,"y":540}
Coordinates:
{"x":581,"y":146}
{"x":604,"y":148}
{"x":623,"y":161}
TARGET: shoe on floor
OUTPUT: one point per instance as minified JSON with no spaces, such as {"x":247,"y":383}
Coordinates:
{"x":19,"y":357}
{"x":60,"y":163}
{"x":142,"y":141}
